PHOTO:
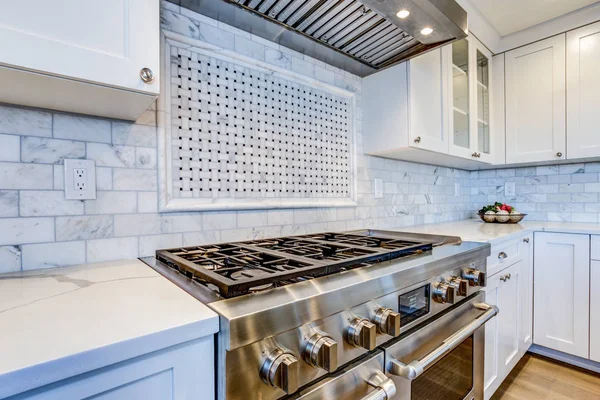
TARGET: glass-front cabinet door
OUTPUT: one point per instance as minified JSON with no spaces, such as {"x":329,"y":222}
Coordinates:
{"x":482,"y":59}
{"x":460,"y":98}
{"x":468,"y":92}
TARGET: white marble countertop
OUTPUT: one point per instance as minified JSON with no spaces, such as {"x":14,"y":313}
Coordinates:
{"x":478,"y":231}
{"x":61,"y":322}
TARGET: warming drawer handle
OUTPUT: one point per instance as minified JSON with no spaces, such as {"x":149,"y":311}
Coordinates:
{"x":384,"y":387}
{"x":415,"y":368}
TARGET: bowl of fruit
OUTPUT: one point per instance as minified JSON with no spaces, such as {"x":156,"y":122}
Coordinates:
{"x":500,"y":213}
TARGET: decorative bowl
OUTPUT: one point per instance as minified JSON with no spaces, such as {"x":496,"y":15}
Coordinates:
{"x":492,"y":219}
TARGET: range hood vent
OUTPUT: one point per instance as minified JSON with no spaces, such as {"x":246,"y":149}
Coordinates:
{"x":359,"y":36}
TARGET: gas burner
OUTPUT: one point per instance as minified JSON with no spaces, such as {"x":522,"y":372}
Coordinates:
{"x":252,"y":266}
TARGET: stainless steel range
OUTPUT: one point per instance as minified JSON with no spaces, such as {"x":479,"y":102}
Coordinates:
{"x":365,"y":314}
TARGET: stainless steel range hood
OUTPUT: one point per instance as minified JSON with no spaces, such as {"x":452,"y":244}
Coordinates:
{"x":360,"y":36}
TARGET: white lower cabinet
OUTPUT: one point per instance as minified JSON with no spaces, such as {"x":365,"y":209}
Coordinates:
{"x":508,"y":336}
{"x":183,"y":372}
{"x":595,"y":311}
{"x":562,"y":288}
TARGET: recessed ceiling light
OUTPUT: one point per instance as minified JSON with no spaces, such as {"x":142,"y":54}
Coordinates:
{"x":402,"y":14}
{"x":426,"y":31}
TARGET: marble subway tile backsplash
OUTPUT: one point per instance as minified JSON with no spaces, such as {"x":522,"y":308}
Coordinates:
{"x":40,"y":229}
{"x":568,"y":193}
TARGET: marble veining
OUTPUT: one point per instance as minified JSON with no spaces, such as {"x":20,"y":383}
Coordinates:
{"x":140,"y":311}
{"x":10,"y":259}
{"x":84,"y":227}
{"x":50,"y":151}
{"x":9,"y":203}
{"x":107,"y":155}
{"x":19,"y":121}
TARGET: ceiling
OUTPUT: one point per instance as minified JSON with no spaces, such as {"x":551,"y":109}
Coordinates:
{"x":509,"y":16}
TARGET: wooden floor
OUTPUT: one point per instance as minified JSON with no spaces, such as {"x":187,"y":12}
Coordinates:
{"x":539,"y":378}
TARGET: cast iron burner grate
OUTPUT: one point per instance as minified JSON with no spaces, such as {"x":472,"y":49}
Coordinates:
{"x":247,"y":267}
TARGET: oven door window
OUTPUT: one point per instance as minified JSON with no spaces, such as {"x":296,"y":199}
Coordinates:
{"x":451,"y":378}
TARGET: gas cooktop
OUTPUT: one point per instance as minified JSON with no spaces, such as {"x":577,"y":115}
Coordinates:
{"x":234,"y":269}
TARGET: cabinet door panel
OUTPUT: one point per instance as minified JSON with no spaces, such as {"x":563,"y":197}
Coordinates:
{"x":595,"y":311}
{"x":428,"y":112}
{"x":561,"y":295}
{"x":535,"y":102}
{"x":509,"y":317}
{"x":491,"y":372}
{"x":106,"y":42}
{"x":526,"y":296}
{"x":583,"y":92}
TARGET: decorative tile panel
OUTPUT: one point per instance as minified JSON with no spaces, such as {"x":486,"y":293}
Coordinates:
{"x":247,"y":135}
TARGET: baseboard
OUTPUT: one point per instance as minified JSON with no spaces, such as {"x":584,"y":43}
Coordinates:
{"x":566,"y":358}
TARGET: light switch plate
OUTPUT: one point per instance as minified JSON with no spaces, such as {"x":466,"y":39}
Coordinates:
{"x":378,"y":185}
{"x":80,"y":179}
{"x":509,"y":189}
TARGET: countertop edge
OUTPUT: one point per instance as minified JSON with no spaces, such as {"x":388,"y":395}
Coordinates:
{"x":36,"y":376}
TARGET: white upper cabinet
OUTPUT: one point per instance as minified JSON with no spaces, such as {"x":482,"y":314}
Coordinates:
{"x":438,"y":102}
{"x":81,"y":48}
{"x":428,"y":119}
{"x":583,"y":92}
{"x":469,"y":97}
{"x":460,"y":94}
{"x":481,"y":109}
{"x":535,"y":102}
{"x":562,"y":292}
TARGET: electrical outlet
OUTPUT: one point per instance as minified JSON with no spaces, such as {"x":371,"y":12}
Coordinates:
{"x":80,"y":179}
{"x":509,"y":189}
{"x":378,"y":185}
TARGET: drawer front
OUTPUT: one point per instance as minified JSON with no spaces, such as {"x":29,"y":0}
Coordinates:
{"x":506,"y":254}
{"x":595,"y":250}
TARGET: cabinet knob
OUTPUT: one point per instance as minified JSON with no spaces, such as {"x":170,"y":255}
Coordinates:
{"x":502,"y":255}
{"x":526,"y":240}
{"x":559,"y":154}
{"x":280,"y":369}
{"x":362,"y":333}
{"x":321,"y":351}
{"x":417,"y":139}
{"x":147,"y":75}
{"x":388,"y":321}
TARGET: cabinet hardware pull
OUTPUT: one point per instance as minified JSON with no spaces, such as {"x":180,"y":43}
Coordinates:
{"x":147,"y":75}
{"x":526,"y":240}
{"x":559,"y":154}
{"x":417,"y":139}
{"x":474,"y":155}
{"x":502,"y":255}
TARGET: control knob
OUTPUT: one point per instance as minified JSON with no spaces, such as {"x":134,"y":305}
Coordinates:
{"x":461,"y":286}
{"x":387,"y":321}
{"x":474,"y":276}
{"x":362,"y":333}
{"x":280,"y":370}
{"x":443,"y":293}
{"x":321,"y":351}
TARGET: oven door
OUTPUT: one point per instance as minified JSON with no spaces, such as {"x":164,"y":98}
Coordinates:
{"x":443,"y":359}
{"x":362,"y":380}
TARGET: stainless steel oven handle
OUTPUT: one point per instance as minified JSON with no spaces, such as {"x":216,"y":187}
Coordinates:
{"x":415,"y":368}
{"x":385,"y":388}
